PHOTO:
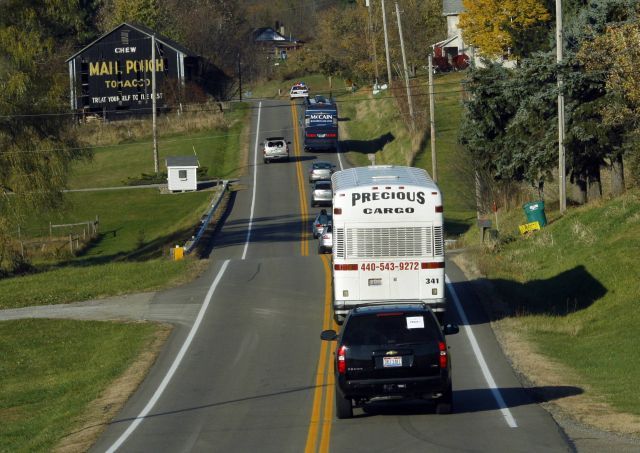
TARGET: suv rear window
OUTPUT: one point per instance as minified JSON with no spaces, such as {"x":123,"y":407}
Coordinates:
{"x":390,"y":329}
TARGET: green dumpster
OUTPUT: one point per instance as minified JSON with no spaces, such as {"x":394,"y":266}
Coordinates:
{"x":535,"y":212}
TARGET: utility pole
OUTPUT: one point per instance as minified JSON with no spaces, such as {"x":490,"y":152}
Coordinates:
{"x":432,"y":120}
{"x":386,"y":43}
{"x":562,"y":192}
{"x":406,"y":71}
{"x":153,"y":103}
{"x":373,"y":43}
{"x":240,"y":76}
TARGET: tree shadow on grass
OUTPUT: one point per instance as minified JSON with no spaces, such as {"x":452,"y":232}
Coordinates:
{"x":565,"y":293}
{"x":367,"y":146}
{"x":456,"y":227}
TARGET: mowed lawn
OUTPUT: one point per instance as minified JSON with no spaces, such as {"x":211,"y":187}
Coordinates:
{"x":130,"y":254}
{"x":52,"y":369}
{"x":217,"y":150}
{"x":572,"y":291}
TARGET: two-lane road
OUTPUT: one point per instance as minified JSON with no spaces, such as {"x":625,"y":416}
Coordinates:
{"x":250,"y":373}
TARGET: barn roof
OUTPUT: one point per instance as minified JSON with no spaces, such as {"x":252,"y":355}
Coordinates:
{"x":145,"y":30}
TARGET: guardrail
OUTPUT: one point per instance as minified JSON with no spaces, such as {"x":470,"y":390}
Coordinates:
{"x":191,"y":243}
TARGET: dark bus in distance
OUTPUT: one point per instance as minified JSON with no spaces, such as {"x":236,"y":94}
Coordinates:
{"x":320,"y":124}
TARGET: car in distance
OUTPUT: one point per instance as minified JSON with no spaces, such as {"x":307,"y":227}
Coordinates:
{"x":321,"y":171}
{"x":275,"y":148}
{"x":322,"y":193}
{"x":391,"y":351}
{"x":320,"y":223}
{"x":325,"y":240}
{"x":299,"y":90}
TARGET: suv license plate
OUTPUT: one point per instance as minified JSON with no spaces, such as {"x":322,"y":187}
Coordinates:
{"x":390,"y":362}
{"x":321,"y":135}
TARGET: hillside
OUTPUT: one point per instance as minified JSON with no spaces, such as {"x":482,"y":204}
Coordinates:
{"x":570,"y":291}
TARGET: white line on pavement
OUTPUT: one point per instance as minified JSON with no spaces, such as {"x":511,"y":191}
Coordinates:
{"x":506,"y":413}
{"x":174,"y":366}
{"x":255,"y":176}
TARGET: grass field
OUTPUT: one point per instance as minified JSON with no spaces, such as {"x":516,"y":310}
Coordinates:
{"x":572,"y":290}
{"x":52,"y":369}
{"x":318,"y":84}
{"x":217,"y":149}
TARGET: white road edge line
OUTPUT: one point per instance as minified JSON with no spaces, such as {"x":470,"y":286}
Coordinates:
{"x":255,"y":176}
{"x":174,"y":366}
{"x":339,"y":159}
{"x":480,"y":358}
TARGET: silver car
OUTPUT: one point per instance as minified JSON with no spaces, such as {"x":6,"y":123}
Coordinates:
{"x":322,"y":194}
{"x":321,"y":171}
{"x":320,"y":223}
{"x":325,"y":240}
{"x":275,"y":148}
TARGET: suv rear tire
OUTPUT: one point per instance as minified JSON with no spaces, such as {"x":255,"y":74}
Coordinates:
{"x":344,"y":406}
{"x":444,"y":404}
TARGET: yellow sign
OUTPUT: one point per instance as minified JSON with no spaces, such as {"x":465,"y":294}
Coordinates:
{"x":528,"y":227}
{"x":178,"y":253}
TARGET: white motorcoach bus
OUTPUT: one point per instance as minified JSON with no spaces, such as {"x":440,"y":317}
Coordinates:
{"x":388,"y":238}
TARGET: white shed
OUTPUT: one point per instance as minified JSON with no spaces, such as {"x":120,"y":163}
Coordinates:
{"x":182,"y":173}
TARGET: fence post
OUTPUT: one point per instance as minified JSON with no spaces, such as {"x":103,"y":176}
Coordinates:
{"x":50,"y":230}
{"x":22,"y":249}
{"x":71,"y":243}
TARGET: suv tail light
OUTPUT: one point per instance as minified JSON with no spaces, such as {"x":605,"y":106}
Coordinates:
{"x":318,"y":225}
{"x":342,"y":360}
{"x":443,"y":354}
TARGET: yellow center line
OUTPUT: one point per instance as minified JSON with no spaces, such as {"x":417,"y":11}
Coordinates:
{"x":329,"y":395}
{"x":304,"y":245}
{"x":324,"y":369}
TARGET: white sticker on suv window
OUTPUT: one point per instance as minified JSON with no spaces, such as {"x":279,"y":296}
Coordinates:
{"x":415,"y":322}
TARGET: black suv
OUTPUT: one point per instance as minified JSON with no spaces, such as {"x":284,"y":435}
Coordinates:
{"x":391,"y":351}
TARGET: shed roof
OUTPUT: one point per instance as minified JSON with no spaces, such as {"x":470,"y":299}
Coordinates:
{"x":452,"y":7}
{"x":145,"y":30}
{"x":182,"y":161}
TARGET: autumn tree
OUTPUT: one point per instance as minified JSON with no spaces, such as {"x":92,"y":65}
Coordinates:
{"x":615,"y":54}
{"x":500,"y":28}
{"x":36,"y":144}
{"x":151,"y":13}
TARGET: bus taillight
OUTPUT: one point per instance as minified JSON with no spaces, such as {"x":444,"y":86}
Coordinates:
{"x":345,"y":267}
{"x":433,"y":265}
{"x":337,"y":211}
{"x":439,"y":209}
